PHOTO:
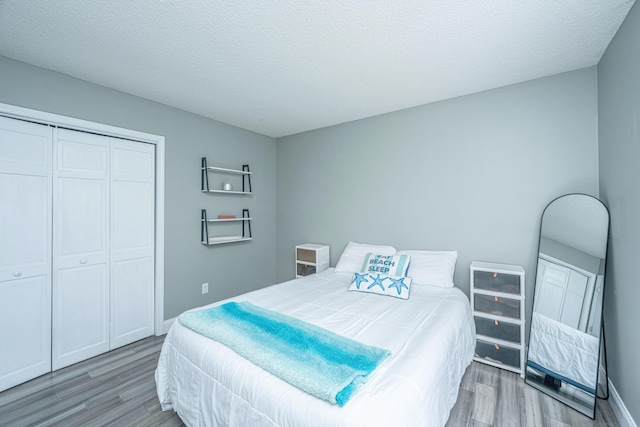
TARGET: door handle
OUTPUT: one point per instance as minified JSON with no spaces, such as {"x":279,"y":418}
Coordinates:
{"x":83,"y":260}
{"x":17,"y":273}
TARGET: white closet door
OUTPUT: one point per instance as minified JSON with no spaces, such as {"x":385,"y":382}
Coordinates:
{"x":132,"y":241}
{"x":574,"y":300}
{"x":80,"y":328}
{"x":25,"y":251}
{"x":561,"y":292}
{"x":551,"y":283}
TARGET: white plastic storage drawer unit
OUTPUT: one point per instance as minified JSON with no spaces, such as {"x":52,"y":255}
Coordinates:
{"x":497,"y":301}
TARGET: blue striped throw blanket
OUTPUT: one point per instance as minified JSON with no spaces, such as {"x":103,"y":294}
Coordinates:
{"x":319,"y":362}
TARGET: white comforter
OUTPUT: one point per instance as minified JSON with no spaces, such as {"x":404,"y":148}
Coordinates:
{"x":431,"y":336}
{"x":564,"y":350}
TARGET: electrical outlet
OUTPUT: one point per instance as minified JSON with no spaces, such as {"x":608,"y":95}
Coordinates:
{"x":205,"y":288}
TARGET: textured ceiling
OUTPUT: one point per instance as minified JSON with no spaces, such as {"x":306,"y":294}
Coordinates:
{"x":282,"y":67}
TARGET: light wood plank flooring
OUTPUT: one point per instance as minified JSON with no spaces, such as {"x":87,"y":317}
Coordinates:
{"x":494,"y":397}
{"x":118,"y":389}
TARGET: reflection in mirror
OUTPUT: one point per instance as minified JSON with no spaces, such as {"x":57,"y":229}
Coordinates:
{"x":566,"y":323}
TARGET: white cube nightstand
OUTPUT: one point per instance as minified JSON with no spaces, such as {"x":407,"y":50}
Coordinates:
{"x":311,"y":258}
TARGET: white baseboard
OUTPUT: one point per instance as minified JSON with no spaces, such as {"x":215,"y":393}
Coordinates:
{"x":617,"y":405}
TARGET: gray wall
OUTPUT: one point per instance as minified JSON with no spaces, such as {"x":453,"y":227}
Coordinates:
{"x":619,"y":124}
{"x":229,"y":269}
{"x":471,"y":174}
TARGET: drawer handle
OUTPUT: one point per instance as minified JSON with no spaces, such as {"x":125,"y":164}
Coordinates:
{"x":83,"y":260}
{"x":495,"y":275}
{"x":497,"y":346}
{"x":495,"y":299}
{"x":495,"y":322}
{"x":17,"y":273}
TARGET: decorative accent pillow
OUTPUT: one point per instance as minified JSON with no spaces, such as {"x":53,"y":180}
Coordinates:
{"x":352,"y":257}
{"x":392,"y":265}
{"x":382,"y":284}
{"x":433,"y":268}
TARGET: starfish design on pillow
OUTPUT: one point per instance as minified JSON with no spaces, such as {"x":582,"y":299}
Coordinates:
{"x":398,"y":284}
{"x":377,"y":281}
{"x":358,"y":279}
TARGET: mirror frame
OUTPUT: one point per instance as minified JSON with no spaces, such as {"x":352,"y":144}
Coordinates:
{"x":547,"y":389}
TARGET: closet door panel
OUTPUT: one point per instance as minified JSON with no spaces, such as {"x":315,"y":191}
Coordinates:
{"x":24,"y":225}
{"x":81,"y":153}
{"x":25,"y":313}
{"x":131,"y":306}
{"x":133,"y":160}
{"x":25,"y":251}
{"x":82,"y":322}
{"x":82,"y":212}
{"x":81,"y":249}
{"x":132,"y":218}
{"x":25,"y":148}
{"x":574,"y":298}
{"x":132,"y":241}
{"x":551,"y":291}
{"x":25,"y":197}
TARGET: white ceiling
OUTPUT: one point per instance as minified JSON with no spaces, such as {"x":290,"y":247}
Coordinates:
{"x":282,"y":67}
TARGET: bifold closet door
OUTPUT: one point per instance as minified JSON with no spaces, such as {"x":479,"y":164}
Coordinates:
{"x":132,"y":241}
{"x":80,"y":321}
{"x":104,"y":248}
{"x":563,"y":294}
{"x":25,"y":251}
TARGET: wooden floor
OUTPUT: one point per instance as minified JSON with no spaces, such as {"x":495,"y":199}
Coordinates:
{"x":494,"y":397}
{"x":118,"y":389}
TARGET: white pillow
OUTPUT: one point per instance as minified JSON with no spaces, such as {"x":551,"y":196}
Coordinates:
{"x":392,"y":265}
{"x":433,"y":268}
{"x":382,"y":284}
{"x":352,"y":258}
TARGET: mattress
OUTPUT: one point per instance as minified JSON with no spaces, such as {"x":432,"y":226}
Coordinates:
{"x":431,"y":336}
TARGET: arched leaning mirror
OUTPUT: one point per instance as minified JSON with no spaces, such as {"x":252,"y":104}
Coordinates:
{"x":566,"y":325}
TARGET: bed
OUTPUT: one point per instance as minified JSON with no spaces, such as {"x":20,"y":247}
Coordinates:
{"x":564,"y":352}
{"x":431,"y":336}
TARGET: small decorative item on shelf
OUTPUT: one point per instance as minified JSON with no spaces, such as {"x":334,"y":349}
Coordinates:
{"x":226,"y":216}
{"x":226,"y":186}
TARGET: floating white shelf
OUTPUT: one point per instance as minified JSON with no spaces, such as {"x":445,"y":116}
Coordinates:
{"x":225,"y":170}
{"x":226,"y":191}
{"x":221,"y":240}
{"x":245,"y":219}
{"x":205,"y":237}
{"x":204,"y":180}
{"x":227,"y":219}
